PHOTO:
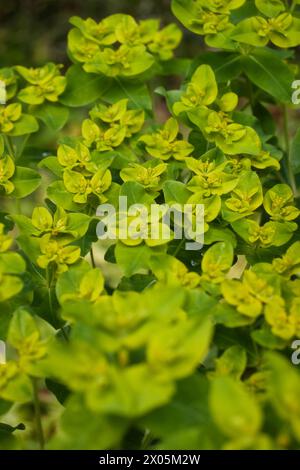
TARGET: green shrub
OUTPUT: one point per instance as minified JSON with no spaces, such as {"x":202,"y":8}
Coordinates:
{"x":177,"y":348}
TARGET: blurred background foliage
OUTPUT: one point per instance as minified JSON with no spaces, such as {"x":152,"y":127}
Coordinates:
{"x":34,"y":32}
{"x":40,"y":27}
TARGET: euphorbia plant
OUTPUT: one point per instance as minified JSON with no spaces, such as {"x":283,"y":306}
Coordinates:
{"x":201,"y":338}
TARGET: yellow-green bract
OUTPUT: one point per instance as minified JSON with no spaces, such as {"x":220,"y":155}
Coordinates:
{"x":140,"y":343}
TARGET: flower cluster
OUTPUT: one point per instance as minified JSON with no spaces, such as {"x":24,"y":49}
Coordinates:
{"x":144,"y":343}
{"x":48,"y":239}
{"x":119,"y":46}
{"x":45,"y":83}
{"x":11,"y":267}
{"x":215,"y":20}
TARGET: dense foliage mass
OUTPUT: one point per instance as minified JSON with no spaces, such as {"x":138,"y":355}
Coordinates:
{"x":188,"y":349}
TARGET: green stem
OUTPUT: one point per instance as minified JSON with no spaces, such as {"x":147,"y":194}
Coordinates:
{"x":11,"y":151}
{"x":49,"y":284}
{"x":281,"y":177}
{"x":291,"y":175}
{"x":131,"y":97}
{"x":92,"y":257}
{"x":179,"y":246}
{"x":293,"y":6}
{"x":64,"y":334}
{"x":286,"y":129}
{"x":48,"y":277}
{"x":51,"y":309}
{"x":18,"y":208}
{"x":22,"y":146}
{"x":146,"y":439}
{"x":251,"y":94}
{"x":51,"y":305}
{"x":9,"y":145}
{"x":37,"y":412}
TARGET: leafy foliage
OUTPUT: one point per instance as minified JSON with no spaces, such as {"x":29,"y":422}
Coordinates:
{"x":183,"y":345}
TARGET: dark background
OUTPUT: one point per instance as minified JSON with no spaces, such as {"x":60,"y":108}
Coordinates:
{"x":35,"y":31}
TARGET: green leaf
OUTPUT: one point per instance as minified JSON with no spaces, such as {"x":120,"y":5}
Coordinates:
{"x":83,"y":88}
{"x":78,"y":224}
{"x":294,"y":156}
{"x":137,"y":93}
{"x":25,"y":125}
{"x":188,"y":408}
{"x":234,"y":410}
{"x":24,"y":224}
{"x":135,"y":193}
{"x":176,"y":66}
{"x":100,"y":431}
{"x":21,"y":326}
{"x":6,"y":428}
{"x":61,"y":197}
{"x":137,"y":282}
{"x":226,"y":65}
{"x":283,"y":389}
{"x":265,"y":338}
{"x":60,"y":391}
{"x":4,"y":406}
{"x":182,"y":10}
{"x":220,"y":254}
{"x":10,"y":286}
{"x":69,"y":281}
{"x":52,"y":164}
{"x":25,"y":181}
{"x":19,"y":389}
{"x":138,"y":399}
{"x":12,"y":263}
{"x":227,"y":315}
{"x":269,"y":73}
{"x":54,"y":116}
{"x":270,"y":8}
{"x":219,"y":234}
{"x":85,"y":243}
{"x":232,"y":362}
{"x":175,"y":192}
{"x":134,"y":258}
{"x":30,"y":246}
